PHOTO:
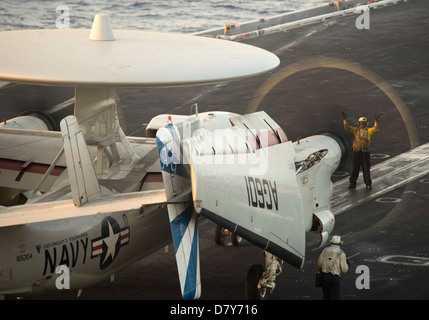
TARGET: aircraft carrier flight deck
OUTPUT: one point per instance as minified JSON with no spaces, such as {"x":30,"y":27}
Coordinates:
{"x":327,"y":67}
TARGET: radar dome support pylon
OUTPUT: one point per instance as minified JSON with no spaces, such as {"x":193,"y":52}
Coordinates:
{"x":95,"y":110}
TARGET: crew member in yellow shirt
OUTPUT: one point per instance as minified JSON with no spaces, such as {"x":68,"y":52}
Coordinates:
{"x":361,"y":149}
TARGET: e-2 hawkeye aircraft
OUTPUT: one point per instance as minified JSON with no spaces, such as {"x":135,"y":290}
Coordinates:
{"x":99,"y":201}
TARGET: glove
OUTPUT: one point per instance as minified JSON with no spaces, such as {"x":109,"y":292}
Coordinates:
{"x":377,"y":116}
{"x":344,"y":116}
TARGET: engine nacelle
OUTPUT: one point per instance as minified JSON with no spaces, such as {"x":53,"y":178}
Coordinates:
{"x":317,"y":157}
{"x":324,"y":223}
{"x":29,"y":122}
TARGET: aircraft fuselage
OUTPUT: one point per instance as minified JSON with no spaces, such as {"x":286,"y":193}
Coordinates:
{"x":93,"y":248}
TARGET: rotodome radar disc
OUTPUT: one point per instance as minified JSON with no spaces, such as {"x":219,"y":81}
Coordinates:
{"x":102,"y":57}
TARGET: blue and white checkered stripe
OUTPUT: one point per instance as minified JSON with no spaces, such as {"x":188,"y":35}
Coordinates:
{"x":184,"y":229}
{"x":183,"y":220}
{"x":169,"y":149}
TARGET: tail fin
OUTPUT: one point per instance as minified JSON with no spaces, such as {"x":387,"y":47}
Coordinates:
{"x":183,"y":219}
{"x":83,"y":180}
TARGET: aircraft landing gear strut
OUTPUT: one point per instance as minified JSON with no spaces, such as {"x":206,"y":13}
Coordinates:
{"x":259,"y":281}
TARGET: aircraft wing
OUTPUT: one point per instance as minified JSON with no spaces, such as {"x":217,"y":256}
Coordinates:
{"x":25,"y":156}
{"x":237,"y":182}
{"x":386,"y":176}
{"x":65,"y":209}
{"x":87,"y":198}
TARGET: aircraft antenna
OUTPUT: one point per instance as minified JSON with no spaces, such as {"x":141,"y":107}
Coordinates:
{"x":195,"y":105}
{"x":101,"y":29}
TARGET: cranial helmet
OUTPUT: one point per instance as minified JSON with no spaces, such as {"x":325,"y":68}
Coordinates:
{"x":336,"y":240}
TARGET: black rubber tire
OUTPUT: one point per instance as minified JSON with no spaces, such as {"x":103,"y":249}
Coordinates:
{"x":253,"y":275}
